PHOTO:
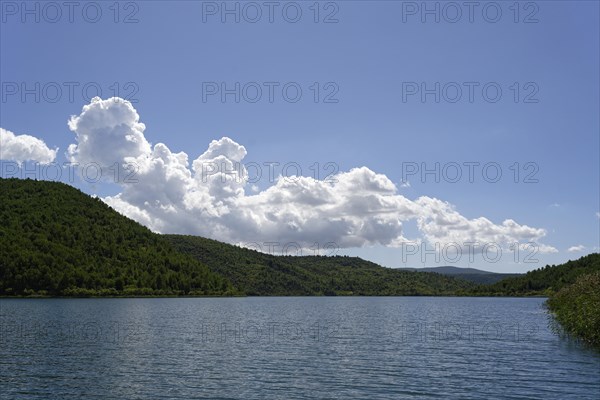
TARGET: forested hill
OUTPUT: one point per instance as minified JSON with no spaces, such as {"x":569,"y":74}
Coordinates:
{"x":469,"y":274}
{"x":547,"y":280}
{"x":258,"y":273}
{"x":56,"y":240}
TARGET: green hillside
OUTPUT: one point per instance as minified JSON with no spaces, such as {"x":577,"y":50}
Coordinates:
{"x":468,"y":274}
{"x":56,"y":240}
{"x":545,"y":281}
{"x":258,"y":273}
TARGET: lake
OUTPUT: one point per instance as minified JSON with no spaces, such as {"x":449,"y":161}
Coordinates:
{"x":289,"y":348}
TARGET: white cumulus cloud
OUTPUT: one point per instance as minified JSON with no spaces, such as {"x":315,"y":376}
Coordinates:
{"x":441,"y":223}
{"x":575,"y":249}
{"x":107,"y":132}
{"x":211,"y":195}
{"x":21,"y":148}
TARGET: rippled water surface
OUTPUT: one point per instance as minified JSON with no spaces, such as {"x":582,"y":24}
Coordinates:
{"x":289,"y":348}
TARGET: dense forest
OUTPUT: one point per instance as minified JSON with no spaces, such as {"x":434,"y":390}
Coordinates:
{"x":257,"y":273}
{"x":544,"y":281}
{"x":468,"y":274}
{"x":57,"y":241}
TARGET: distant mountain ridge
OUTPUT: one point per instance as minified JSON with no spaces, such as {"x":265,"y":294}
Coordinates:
{"x":469,"y":274}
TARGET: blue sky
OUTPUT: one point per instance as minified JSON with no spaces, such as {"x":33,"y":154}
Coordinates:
{"x":546,"y":65}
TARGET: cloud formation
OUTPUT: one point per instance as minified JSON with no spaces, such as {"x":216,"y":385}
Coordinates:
{"x":213,"y":197}
{"x":107,"y":132}
{"x":21,"y":148}
{"x":575,"y":249}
